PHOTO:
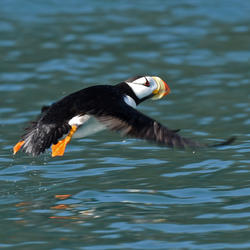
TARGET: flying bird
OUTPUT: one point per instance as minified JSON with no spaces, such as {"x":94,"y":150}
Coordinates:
{"x":100,"y":107}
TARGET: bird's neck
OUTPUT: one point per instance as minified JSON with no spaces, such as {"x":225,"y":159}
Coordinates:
{"x":130,"y":101}
{"x":126,"y":90}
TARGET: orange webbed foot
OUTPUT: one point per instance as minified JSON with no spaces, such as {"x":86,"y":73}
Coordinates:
{"x":59,"y":148}
{"x":17,"y":147}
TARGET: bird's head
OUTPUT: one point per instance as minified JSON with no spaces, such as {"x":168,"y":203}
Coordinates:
{"x":145,"y":87}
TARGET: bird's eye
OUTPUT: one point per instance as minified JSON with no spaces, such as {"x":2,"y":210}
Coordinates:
{"x":147,"y":84}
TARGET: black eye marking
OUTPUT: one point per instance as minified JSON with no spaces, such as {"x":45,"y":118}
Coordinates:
{"x":147,"y":84}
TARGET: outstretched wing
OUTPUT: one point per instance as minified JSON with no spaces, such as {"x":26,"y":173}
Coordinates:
{"x":133,"y":123}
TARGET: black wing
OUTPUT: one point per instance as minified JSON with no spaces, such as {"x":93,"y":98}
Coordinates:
{"x":133,"y":123}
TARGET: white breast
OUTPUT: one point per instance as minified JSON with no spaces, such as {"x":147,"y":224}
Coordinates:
{"x":88,"y":125}
{"x":78,"y":120}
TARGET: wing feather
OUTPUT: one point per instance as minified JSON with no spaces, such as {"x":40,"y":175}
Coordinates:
{"x":132,"y":123}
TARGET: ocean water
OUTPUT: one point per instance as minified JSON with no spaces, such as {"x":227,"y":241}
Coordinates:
{"x":110,"y":192}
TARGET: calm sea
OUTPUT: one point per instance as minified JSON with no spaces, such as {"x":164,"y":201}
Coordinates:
{"x":110,"y":192}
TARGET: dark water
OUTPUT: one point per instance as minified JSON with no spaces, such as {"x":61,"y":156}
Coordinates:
{"x":111,"y":193}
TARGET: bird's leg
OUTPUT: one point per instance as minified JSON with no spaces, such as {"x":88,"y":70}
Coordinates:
{"x":17,"y":147}
{"x":59,"y":148}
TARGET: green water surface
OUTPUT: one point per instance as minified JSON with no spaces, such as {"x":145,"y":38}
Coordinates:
{"x":109,"y":192}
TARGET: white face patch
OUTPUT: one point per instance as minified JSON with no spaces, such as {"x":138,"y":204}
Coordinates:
{"x":143,"y":86}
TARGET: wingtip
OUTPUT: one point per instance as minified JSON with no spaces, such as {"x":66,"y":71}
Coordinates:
{"x":225,"y":143}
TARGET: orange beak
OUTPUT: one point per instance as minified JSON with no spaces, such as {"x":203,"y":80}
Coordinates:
{"x":162,"y":88}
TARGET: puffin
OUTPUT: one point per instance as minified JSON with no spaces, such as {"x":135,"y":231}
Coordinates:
{"x":100,"y":107}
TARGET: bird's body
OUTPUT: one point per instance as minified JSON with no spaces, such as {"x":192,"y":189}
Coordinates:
{"x":97,"y":108}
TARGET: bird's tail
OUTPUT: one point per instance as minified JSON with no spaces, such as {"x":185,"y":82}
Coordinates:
{"x":36,"y":139}
{"x":39,"y":136}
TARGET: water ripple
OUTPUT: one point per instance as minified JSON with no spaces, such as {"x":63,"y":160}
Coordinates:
{"x":111,"y":193}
